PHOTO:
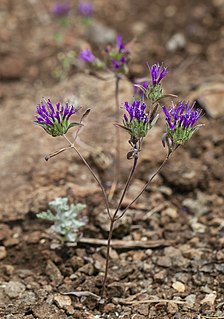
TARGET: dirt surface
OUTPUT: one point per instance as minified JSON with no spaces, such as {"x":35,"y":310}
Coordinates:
{"x":167,"y":259}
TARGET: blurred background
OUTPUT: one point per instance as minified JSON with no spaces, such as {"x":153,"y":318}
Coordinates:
{"x":186,"y":35}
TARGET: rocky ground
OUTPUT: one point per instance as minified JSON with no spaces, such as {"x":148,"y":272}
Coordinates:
{"x":167,"y":259}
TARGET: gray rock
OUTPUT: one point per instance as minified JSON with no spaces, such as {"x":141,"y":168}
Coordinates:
{"x":197,"y":206}
{"x":164,"y":261}
{"x":190,"y":300}
{"x":87,"y":269}
{"x":53,"y":272}
{"x":101,"y":34}
{"x":14,"y":289}
{"x":28,"y":298}
{"x":176,"y":42}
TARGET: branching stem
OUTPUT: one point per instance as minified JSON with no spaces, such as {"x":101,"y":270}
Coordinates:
{"x":93,"y":174}
{"x":147,"y":184}
{"x":114,"y":218}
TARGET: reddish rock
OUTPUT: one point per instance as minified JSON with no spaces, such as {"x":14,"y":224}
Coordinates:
{"x":12,"y":68}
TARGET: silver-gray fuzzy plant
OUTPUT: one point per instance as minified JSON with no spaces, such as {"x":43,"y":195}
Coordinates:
{"x":66,"y":219}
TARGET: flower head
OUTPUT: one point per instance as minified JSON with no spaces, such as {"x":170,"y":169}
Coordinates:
{"x":153,"y":90}
{"x":136,"y":121}
{"x":118,"y":56}
{"x":60,"y":9}
{"x":136,"y":111}
{"x":158,"y":72}
{"x":87,"y":56}
{"x":85,"y":9}
{"x":181,"y":119}
{"x":55,"y":120}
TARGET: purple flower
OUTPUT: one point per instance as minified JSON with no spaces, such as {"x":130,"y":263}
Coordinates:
{"x":136,"y":121}
{"x":136,"y":111}
{"x":119,"y":44}
{"x":116,"y":64}
{"x":55,"y":120}
{"x":87,"y":56}
{"x":158,"y":72}
{"x":60,"y":9}
{"x":118,"y":56}
{"x":85,"y":9}
{"x":181,"y":119}
{"x":181,"y":115}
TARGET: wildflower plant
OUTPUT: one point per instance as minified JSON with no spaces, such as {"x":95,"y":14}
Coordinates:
{"x":115,"y":58}
{"x":66,"y":219}
{"x":60,"y":11}
{"x":85,"y":10}
{"x":139,"y":117}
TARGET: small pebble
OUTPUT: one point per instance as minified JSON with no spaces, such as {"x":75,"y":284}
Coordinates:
{"x":190,"y":300}
{"x":179,"y":286}
{"x":164,"y":261}
{"x":87,"y":269}
{"x":177,"y":41}
{"x":62,"y":300}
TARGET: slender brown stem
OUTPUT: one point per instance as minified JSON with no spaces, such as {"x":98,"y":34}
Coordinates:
{"x":126,"y":187}
{"x":57,"y":152}
{"x":93,"y":174}
{"x":107,"y":257}
{"x":147,"y":184}
{"x":113,"y":219}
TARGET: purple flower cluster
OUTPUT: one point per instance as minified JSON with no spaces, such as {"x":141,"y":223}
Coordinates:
{"x":60,"y":9}
{"x":136,"y":111}
{"x":118,"y":55}
{"x":136,"y":122}
{"x":85,"y":9}
{"x":158,"y":72}
{"x":87,"y":56}
{"x":116,"y":58}
{"x":55,"y":121}
{"x":181,"y":115}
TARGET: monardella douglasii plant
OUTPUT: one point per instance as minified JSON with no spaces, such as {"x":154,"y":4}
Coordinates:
{"x":139,"y":116}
